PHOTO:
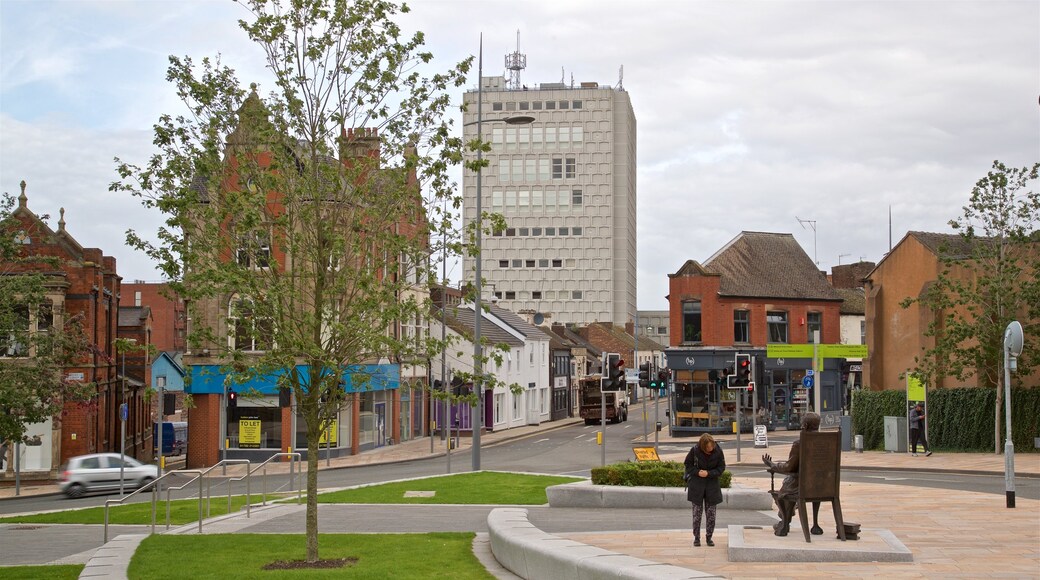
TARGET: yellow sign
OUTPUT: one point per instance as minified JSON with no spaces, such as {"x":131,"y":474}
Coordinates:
{"x":645,"y":454}
{"x":825,"y":350}
{"x":333,"y":430}
{"x":914,"y":388}
{"x":249,"y":433}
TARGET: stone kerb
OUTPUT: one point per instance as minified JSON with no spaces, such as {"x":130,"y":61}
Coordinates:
{"x":585,"y":494}
{"x":533,"y":554}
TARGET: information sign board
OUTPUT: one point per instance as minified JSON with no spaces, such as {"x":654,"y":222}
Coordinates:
{"x":646,"y":454}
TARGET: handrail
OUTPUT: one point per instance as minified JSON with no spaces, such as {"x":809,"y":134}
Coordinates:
{"x":222,"y":463}
{"x":296,"y":457}
{"x":153,"y":486}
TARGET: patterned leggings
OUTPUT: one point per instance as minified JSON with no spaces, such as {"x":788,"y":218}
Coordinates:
{"x":709,"y":525}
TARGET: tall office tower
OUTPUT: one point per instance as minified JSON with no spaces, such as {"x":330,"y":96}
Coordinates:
{"x":566,"y":185}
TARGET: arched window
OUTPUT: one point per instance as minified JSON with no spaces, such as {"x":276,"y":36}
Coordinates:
{"x":247,"y":331}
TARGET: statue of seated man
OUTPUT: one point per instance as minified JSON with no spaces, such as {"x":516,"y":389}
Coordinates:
{"x":786,"y":497}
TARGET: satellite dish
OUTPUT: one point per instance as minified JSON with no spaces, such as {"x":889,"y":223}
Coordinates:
{"x":539,"y":318}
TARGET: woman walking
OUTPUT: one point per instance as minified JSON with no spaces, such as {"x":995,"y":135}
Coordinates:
{"x":704,"y":464}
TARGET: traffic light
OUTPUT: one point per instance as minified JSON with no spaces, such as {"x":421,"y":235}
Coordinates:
{"x":614,"y":373}
{"x":644,"y":376}
{"x":284,"y":397}
{"x":456,"y":386}
{"x":662,"y":378}
{"x":232,"y":399}
{"x":724,"y":377}
{"x":742,"y":372}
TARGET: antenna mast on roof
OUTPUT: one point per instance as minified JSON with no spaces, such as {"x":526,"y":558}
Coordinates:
{"x":621,"y":78}
{"x":515,"y":62}
{"x":812,"y":224}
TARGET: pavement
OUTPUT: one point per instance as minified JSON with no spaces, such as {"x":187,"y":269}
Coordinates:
{"x":951,"y":533}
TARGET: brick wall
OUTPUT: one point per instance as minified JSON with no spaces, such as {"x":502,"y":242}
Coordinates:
{"x":204,"y":431}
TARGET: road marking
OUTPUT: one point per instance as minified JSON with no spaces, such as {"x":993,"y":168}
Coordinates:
{"x":887,"y":478}
{"x":540,"y":440}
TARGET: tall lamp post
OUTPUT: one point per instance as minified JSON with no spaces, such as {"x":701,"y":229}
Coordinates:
{"x":123,"y":411}
{"x":477,"y":413}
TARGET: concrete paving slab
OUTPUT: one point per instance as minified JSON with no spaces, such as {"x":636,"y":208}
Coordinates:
{"x":759,"y":544}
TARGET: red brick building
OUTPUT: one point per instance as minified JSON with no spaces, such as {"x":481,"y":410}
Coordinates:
{"x":372,"y":416}
{"x":169,"y":316}
{"x":87,"y":285}
{"x":760,"y":289}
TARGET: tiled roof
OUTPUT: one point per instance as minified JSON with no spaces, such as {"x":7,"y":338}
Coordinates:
{"x":133,"y":315}
{"x":515,"y":321}
{"x":855,"y":301}
{"x":769,"y":265}
{"x":577,"y":339}
{"x":461,"y":319}
{"x":945,"y":245}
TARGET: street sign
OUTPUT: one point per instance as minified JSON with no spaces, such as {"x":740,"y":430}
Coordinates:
{"x":124,"y":412}
{"x":807,"y":382}
{"x":809,"y":372}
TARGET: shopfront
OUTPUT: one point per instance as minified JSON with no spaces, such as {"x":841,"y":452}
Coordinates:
{"x":701,"y":401}
{"x":258,"y":426}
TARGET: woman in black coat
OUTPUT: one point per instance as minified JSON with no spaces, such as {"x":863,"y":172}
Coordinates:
{"x":704,"y":463}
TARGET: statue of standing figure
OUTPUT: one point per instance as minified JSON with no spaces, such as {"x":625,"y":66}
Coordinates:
{"x":786,"y":497}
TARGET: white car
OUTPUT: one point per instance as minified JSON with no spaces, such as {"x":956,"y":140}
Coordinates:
{"x":100,"y":472}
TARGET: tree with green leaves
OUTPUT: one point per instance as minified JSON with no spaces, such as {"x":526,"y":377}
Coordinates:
{"x":988,"y":278}
{"x":37,"y":342}
{"x":298,"y":222}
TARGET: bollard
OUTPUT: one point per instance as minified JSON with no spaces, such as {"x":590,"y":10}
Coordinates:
{"x":859,"y":444}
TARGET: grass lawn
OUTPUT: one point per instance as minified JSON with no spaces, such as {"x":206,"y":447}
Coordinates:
{"x":446,"y":555}
{"x":182,"y":511}
{"x":62,"y":572}
{"x":484,"y":487}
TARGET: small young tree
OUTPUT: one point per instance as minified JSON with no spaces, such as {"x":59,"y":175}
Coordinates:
{"x":296,"y":229}
{"x":987,"y":281}
{"x":34,"y":352}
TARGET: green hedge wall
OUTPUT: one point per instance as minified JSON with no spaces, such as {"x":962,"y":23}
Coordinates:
{"x":959,"y":419}
{"x":648,"y":473}
{"x":869,"y":409}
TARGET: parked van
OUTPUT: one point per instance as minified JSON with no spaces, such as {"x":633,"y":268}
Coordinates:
{"x":174,"y":437}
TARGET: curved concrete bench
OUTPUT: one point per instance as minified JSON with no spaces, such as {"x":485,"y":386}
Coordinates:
{"x":586,"y":495}
{"x":535,"y":555}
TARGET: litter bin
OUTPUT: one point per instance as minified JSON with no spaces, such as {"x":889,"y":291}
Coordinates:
{"x":895,"y":434}
{"x":846,"y":433}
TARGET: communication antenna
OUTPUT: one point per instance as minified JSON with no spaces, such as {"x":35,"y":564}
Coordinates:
{"x":812,"y":224}
{"x":515,"y":62}
{"x":621,"y":78}
{"x":840,"y":256}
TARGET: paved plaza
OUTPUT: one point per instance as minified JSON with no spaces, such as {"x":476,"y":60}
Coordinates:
{"x":950,"y":533}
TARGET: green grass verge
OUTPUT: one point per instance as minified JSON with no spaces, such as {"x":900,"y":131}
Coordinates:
{"x":464,"y":488}
{"x":61,"y":572}
{"x":379,"y":556}
{"x":182,"y":511}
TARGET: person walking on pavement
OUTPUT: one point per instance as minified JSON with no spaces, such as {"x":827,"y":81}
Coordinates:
{"x":704,"y":464}
{"x":917,"y":430}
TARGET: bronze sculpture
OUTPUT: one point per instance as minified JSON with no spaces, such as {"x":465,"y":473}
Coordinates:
{"x":786,"y":497}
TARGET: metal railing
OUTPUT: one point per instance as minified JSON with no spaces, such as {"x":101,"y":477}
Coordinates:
{"x":154,"y":487}
{"x":296,"y":458}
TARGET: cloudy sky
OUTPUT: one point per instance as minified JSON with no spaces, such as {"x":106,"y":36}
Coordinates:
{"x":752,"y":115}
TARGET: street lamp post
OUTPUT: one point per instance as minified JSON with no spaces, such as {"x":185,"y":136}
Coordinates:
{"x":477,"y":413}
{"x":123,"y":411}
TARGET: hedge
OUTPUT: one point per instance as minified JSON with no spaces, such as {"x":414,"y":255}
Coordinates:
{"x":649,"y":473}
{"x":959,"y":419}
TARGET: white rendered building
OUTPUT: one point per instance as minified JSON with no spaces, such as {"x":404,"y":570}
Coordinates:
{"x":566,"y":185}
